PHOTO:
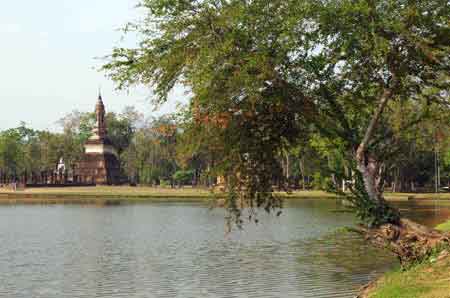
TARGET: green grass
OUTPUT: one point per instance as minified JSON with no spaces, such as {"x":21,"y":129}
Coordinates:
{"x":428,"y":280}
{"x":109,"y":195}
{"x":396,"y":284}
{"x":125,"y":194}
{"x":111,"y":191}
{"x":416,"y":196}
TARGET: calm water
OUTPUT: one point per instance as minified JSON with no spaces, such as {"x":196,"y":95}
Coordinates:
{"x":182,"y":250}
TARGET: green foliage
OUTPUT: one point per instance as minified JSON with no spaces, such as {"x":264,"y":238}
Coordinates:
{"x":120,"y":131}
{"x":183,"y":177}
{"x":11,"y":152}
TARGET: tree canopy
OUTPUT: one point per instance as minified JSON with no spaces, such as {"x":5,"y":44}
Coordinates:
{"x":266,"y":74}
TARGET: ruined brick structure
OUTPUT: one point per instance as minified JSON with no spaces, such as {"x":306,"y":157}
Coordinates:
{"x":100,"y":164}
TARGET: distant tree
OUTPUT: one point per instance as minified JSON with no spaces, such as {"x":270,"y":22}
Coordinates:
{"x":11,"y":153}
{"x":120,"y":131}
{"x":150,"y":156}
{"x":52,"y":149}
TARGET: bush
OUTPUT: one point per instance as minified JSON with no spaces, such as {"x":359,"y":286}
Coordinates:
{"x":183,"y":177}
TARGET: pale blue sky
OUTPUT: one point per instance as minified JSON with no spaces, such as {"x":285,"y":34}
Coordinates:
{"x":48,"y":51}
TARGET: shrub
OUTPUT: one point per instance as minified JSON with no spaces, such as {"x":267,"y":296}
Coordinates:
{"x":183,"y":177}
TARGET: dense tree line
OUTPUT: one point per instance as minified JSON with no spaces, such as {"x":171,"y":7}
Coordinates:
{"x":162,"y":150}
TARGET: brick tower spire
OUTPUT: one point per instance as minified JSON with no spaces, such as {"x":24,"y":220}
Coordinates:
{"x":99,"y":131}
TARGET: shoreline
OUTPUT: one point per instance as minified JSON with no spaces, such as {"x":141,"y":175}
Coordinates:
{"x":116,"y":195}
{"x":125,"y":194}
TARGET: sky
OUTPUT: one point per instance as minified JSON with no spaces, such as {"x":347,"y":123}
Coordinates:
{"x":49,"y":60}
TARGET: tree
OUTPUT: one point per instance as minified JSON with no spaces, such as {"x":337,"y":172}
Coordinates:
{"x":52,"y":148}
{"x":150,"y":157}
{"x":11,"y":153}
{"x":120,"y":131}
{"x":262,"y":72}
{"x":195,"y":146}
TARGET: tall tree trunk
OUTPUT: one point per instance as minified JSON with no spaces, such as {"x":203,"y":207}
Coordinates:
{"x":367,"y":165}
{"x":288,"y":164}
{"x":302,"y":172}
{"x":395,"y":183}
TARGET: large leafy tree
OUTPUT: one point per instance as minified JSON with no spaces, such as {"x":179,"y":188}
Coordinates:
{"x":263,"y":72}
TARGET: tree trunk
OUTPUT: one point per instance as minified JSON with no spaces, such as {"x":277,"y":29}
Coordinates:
{"x":287,"y":166}
{"x":370,"y":171}
{"x":395,"y":184}
{"x":302,"y":172}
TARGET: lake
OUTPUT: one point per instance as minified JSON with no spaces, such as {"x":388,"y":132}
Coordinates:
{"x":183,"y":250}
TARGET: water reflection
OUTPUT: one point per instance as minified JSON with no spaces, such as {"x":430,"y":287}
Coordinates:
{"x":429,"y":213}
{"x":182,"y":250}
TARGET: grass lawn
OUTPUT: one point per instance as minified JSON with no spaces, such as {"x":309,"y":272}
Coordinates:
{"x":428,"y":280}
{"x":113,"y":191}
{"x":102,"y":195}
{"x":416,"y":196}
{"x":123,"y":194}
{"x":123,"y":191}
{"x":120,"y":194}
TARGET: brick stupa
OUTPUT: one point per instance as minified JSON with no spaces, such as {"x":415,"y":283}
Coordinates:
{"x":99,"y":164}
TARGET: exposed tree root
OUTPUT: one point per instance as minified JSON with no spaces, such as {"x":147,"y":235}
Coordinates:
{"x":410,"y":241}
